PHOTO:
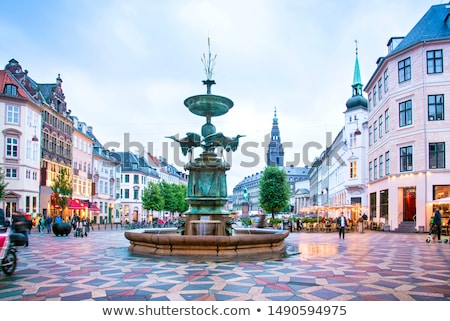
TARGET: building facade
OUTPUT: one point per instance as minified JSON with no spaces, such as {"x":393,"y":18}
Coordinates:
{"x":20,"y":119}
{"x":408,"y":154}
{"x":104,"y":185}
{"x":55,"y":128}
{"x":136,"y":174}
{"x":338,"y":178}
{"x":82,"y":171}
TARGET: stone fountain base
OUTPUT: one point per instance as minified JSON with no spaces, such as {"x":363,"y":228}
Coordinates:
{"x":240,"y":246}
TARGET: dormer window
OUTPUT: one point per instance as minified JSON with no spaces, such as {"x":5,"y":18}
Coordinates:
{"x":10,"y":90}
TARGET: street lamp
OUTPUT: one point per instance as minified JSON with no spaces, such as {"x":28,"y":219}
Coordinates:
{"x":35,"y":138}
{"x":357,"y":131}
{"x":110,"y":213}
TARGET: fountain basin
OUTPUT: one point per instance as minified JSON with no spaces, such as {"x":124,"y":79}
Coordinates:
{"x":242,"y":246}
{"x":162,"y":230}
{"x":208,"y":105}
{"x":253,"y":230}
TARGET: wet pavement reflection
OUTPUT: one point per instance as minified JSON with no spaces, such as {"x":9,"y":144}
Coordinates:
{"x":371,"y":266}
{"x":321,"y":250}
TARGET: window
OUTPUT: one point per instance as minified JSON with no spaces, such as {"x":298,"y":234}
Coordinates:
{"x":10,"y":90}
{"x":386,"y":121}
{"x":12,"y":115}
{"x":434,"y":61}
{"x":136,"y":179}
{"x":373,"y":205}
{"x":353,"y":169}
{"x":354,"y":142}
{"x":136,"y":194}
{"x":28,"y":150}
{"x":436,"y":155}
{"x":387,"y":164}
{"x":53,"y":144}
{"x":384,"y":203}
{"x":375,"y":131}
{"x":406,"y":160}
{"x":12,"y":146}
{"x":436,"y":107}
{"x":375,"y":168}
{"x":380,"y":124}
{"x":127,"y":179}
{"x":405,"y":113}
{"x":370,"y":101}
{"x":11,"y":172}
{"x":370,"y":171}
{"x":380,"y":168}
{"x":127,"y":193}
{"x":374,"y":95}
{"x":370,"y":135}
{"x":380,"y":89}
{"x":404,"y":70}
{"x":386,"y":76}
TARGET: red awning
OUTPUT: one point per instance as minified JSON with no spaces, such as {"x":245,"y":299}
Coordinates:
{"x":75,"y":204}
{"x":94,"y":208}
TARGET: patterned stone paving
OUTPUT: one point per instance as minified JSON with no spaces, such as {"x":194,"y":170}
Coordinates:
{"x":371,"y":266}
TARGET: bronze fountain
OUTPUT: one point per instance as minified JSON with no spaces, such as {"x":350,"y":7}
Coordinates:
{"x":208,"y":230}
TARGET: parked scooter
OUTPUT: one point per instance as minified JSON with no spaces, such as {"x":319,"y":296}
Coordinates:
{"x":8,"y":257}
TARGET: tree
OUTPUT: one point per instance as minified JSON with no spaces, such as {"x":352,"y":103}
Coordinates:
{"x":3,"y":185}
{"x":62,"y":188}
{"x":174,"y":197}
{"x":152,"y":198}
{"x":182,"y":205}
{"x":273,"y":190}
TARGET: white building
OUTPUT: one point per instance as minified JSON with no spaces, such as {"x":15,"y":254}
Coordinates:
{"x":20,"y":119}
{"x":338,"y":177}
{"x":104,"y":188}
{"x":409,"y":124}
{"x":136,"y":174}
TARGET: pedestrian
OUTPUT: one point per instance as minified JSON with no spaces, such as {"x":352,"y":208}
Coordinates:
{"x":342,"y":223}
{"x":438,"y":223}
{"x":86,"y":227}
{"x":48,"y":223}
{"x":42,"y":224}
{"x":360,"y":224}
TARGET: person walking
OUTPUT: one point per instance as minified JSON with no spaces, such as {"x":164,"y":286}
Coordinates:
{"x":48,"y":223}
{"x":438,"y":223}
{"x":342,"y":223}
{"x":360,"y":224}
{"x":42,"y":224}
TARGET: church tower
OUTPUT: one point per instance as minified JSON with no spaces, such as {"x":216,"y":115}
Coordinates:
{"x":275,"y":153}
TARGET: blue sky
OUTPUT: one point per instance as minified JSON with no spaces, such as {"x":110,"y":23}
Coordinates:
{"x":128,"y":66}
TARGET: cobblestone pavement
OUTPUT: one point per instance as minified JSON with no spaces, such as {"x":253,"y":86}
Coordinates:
{"x":371,"y":266}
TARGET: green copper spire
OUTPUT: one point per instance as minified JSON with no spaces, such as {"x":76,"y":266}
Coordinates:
{"x":275,"y":119}
{"x":357,"y":85}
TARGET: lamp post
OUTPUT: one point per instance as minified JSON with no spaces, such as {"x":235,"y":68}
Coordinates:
{"x":110,"y":208}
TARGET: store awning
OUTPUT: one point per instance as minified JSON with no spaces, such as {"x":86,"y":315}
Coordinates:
{"x":444,"y":200}
{"x":94,"y":208}
{"x":75,"y":204}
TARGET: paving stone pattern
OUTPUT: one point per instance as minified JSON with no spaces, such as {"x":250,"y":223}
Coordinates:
{"x":373,"y":266}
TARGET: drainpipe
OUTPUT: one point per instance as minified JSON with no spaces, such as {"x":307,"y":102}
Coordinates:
{"x":425,"y":119}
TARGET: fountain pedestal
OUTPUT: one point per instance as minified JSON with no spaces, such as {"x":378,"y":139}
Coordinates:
{"x":207,"y":196}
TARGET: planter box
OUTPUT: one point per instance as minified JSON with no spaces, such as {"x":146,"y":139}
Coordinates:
{"x":61,"y":229}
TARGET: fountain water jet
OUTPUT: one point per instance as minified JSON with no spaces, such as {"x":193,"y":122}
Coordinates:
{"x":207,"y":223}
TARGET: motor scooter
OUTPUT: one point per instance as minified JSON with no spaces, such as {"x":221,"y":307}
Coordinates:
{"x":8,"y":257}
